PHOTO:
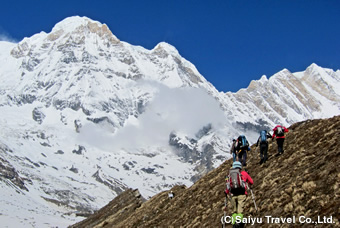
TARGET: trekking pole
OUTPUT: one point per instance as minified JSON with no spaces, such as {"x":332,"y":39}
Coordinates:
{"x":225,"y":208}
{"x":227,"y":198}
{"x":252,"y":196}
{"x":225,"y":204}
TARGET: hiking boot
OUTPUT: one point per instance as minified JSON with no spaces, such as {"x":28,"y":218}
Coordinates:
{"x":238,"y":225}
{"x":261,"y":161}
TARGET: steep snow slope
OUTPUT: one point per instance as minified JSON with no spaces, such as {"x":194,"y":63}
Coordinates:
{"x":84,"y":116}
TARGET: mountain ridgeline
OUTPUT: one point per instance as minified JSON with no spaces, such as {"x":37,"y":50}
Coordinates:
{"x":303,"y":181}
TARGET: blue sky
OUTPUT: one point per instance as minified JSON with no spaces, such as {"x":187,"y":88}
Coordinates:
{"x":231,"y":42}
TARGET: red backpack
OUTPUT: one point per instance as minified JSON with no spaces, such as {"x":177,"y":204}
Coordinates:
{"x":235,"y":184}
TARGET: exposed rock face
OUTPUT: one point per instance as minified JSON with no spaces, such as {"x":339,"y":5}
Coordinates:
{"x":38,"y":116}
{"x":10,"y":176}
{"x":304,"y":181}
{"x":189,"y":150}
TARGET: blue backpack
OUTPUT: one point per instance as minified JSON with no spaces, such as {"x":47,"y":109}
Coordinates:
{"x":263,"y":135}
{"x":243,"y":143}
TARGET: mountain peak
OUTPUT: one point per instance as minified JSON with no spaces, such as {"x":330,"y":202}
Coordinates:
{"x":81,"y":25}
{"x":313,"y":65}
{"x":73,"y":22}
{"x":166,"y":47}
{"x":263,"y":79}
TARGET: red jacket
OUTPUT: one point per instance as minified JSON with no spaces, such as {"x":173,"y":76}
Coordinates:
{"x":246,"y":178}
{"x":285,"y":130}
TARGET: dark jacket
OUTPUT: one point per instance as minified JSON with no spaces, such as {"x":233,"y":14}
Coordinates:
{"x":238,"y":148}
{"x":259,"y":140}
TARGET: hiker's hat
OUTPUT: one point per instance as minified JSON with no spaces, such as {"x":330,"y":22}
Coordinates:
{"x":237,"y":164}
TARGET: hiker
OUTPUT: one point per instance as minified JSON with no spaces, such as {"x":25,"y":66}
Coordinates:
{"x":263,"y":141}
{"x":232,"y":149}
{"x":279,"y":132}
{"x":241,"y":147}
{"x":237,"y":189}
{"x":171,"y":195}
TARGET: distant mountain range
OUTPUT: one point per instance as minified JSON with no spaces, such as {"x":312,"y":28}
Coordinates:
{"x":86,"y":116}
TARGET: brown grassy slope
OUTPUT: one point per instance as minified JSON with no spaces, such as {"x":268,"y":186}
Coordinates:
{"x":303,"y":181}
{"x":125,"y":203}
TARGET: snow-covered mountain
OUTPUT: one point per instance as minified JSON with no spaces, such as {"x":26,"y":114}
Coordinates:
{"x":85,"y":116}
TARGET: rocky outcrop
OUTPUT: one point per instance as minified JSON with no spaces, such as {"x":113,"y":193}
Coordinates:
{"x":9,"y":174}
{"x":188,"y":149}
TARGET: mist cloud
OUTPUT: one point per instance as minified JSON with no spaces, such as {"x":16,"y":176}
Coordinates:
{"x":184,"y":110}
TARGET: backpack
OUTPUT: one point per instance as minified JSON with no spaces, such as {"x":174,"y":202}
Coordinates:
{"x":235,"y":184}
{"x":243,"y":142}
{"x":263,"y":135}
{"x":279,"y":131}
